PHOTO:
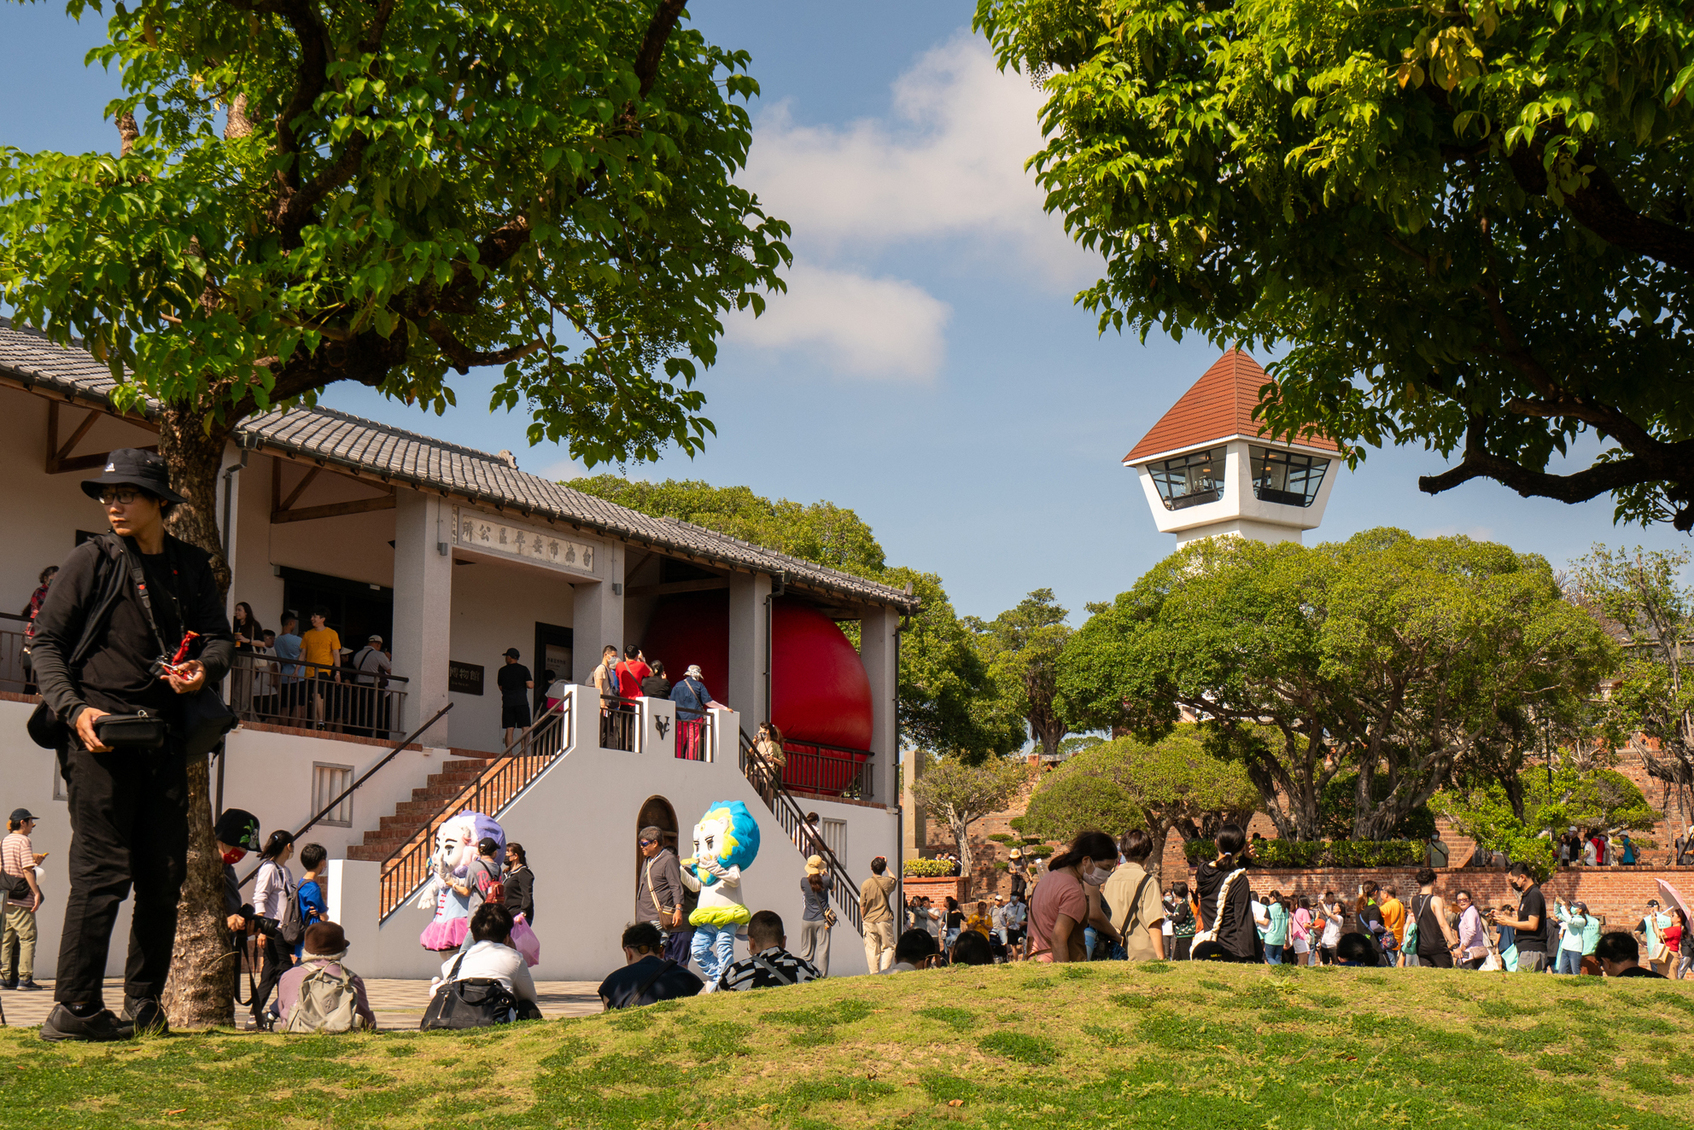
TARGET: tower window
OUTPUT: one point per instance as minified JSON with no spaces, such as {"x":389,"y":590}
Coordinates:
{"x":1189,"y":480}
{"x":1286,"y":477}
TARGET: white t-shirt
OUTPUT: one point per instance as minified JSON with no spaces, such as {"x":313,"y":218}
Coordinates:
{"x":271,"y":888}
{"x":495,"y":961}
{"x":1331,"y":927}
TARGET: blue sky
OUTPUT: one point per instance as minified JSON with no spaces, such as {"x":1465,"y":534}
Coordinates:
{"x":927,"y":367}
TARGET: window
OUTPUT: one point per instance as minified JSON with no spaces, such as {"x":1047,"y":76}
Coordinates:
{"x":1189,"y":480}
{"x":1286,"y":477}
{"x":329,"y":782}
{"x":834,"y":833}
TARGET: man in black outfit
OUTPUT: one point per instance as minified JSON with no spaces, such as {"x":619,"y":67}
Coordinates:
{"x":1530,"y":924}
{"x":646,"y":977}
{"x":515,"y":683}
{"x":96,"y":655}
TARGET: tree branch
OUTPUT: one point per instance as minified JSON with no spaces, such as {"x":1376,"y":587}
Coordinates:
{"x":463,"y":357}
{"x":652,"y":50}
{"x":1600,"y":207}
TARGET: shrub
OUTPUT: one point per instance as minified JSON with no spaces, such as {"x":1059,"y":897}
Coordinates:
{"x":1288,"y":853}
{"x":1199,"y":851}
{"x":1367,"y":853}
{"x":928,"y":868}
{"x":1000,"y":837}
{"x":1002,"y":865}
{"x":1038,"y":851}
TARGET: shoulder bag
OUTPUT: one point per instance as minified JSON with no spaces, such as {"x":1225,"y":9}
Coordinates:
{"x":204,"y":719}
{"x":44,"y":727}
{"x":477,"y":1002}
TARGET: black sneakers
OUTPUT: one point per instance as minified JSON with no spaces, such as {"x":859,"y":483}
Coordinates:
{"x":146,"y":1016}
{"x":12,"y":984}
{"x":26,"y":987}
{"x":63,"y":1024}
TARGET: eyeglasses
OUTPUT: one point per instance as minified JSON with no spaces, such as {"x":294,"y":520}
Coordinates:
{"x":122,"y":496}
{"x":648,"y":843}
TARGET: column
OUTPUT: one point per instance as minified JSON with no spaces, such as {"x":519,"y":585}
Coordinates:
{"x":749,"y":648}
{"x":879,"y":631}
{"x":423,"y":606}
{"x":597,"y":615}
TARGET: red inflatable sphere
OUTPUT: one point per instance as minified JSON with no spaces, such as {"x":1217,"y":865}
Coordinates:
{"x":819,"y":689}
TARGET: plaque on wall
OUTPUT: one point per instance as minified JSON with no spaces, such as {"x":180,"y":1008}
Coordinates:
{"x":497,"y":535}
{"x":464,"y":678}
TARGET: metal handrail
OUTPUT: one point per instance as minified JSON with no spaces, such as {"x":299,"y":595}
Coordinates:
{"x":809,"y":759}
{"x":492,"y":793}
{"x":843,"y":891}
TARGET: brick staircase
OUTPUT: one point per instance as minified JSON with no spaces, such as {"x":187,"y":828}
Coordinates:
{"x":411,"y":816}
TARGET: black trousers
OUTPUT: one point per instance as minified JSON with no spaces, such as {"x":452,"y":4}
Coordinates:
{"x":278,"y":957}
{"x":129,"y":826}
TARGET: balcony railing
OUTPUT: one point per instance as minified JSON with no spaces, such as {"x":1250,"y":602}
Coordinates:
{"x":286,"y":692}
{"x":827,"y":770}
{"x":842,"y":890}
{"x":13,"y":677}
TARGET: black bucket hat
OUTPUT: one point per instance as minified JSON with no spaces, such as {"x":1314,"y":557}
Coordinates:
{"x":132,"y":467}
{"x":238,"y":828}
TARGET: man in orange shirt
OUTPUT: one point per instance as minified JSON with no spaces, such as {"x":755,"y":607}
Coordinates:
{"x":631,"y":671}
{"x":1394,"y":917}
{"x":321,"y":646}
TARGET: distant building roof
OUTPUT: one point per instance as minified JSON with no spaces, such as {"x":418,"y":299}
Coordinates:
{"x":367,"y":447}
{"x":1218,"y":406}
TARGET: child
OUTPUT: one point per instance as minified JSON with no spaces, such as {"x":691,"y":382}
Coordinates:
{"x":314,"y":907}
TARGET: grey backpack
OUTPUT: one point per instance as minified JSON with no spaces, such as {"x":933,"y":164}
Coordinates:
{"x":327,"y":1002}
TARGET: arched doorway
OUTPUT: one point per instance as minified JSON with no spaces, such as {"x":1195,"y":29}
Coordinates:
{"x":656,"y":812}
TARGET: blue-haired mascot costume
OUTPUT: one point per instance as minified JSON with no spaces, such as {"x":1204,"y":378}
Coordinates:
{"x":726,"y":841}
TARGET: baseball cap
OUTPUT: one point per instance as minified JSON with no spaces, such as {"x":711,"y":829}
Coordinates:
{"x":22,"y":814}
{"x":512,"y":652}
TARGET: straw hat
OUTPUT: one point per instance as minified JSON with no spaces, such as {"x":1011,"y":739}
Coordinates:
{"x":814,"y":865}
{"x":1017,"y":853}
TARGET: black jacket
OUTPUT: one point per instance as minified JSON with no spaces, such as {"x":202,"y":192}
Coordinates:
{"x":520,"y":893}
{"x":93,"y":585}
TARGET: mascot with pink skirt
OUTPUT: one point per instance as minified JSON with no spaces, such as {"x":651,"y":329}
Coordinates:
{"x":451,"y":882}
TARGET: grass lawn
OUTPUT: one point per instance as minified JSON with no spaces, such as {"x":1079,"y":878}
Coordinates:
{"x":1104,"y":1045}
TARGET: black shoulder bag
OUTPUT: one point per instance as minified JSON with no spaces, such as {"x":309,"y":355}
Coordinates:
{"x":203,"y":717}
{"x":477,"y":1002}
{"x":44,"y":727}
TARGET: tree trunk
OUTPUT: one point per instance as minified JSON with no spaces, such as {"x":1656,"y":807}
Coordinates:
{"x":1160,"y":831}
{"x":961,"y":837}
{"x":200,"y":992}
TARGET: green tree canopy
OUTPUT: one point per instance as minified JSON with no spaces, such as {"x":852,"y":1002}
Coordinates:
{"x":1174,"y":783}
{"x":1466,"y":221}
{"x":1395,"y":656}
{"x":1644,"y":597}
{"x":961,"y":794}
{"x":1587,"y":798}
{"x":314,"y":191}
{"x":1022,"y":647}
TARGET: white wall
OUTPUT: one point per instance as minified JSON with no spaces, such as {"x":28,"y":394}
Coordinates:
{"x":495,"y":606}
{"x":578,"y":823}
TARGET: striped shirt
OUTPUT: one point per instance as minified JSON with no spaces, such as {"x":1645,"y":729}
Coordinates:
{"x":767,"y":969}
{"x":17,"y":857}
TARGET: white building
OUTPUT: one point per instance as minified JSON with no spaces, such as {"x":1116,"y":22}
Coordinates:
{"x":1206,"y":470}
{"x":453,"y":555}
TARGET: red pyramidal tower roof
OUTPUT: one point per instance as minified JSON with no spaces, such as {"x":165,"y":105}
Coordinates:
{"x":1218,"y":406}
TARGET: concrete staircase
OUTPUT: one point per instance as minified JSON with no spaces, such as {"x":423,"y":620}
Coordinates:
{"x":410,"y":816}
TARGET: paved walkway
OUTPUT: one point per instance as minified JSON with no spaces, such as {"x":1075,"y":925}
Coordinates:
{"x":398,"y":1004}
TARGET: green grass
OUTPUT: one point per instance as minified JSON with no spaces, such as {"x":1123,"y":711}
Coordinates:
{"x":1204,"y":1048}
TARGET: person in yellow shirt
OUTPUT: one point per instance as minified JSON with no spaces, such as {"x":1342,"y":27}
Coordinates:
{"x":981,"y":921}
{"x":322,"y":647}
{"x":1394,"y":917}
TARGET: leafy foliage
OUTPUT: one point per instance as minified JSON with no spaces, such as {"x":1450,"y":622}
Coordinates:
{"x":1340,"y":799}
{"x":927,"y":868}
{"x":1374,"y":853}
{"x":1465,"y":222}
{"x":1597,"y":798}
{"x":1388,"y":655}
{"x":1486,"y":815}
{"x":961,"y":794}
{"x":1021,"y":647}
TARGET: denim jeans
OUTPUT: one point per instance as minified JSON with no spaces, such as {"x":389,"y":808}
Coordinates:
{"x":1570,"y":961}
{"x":1273,"y":954}
{"x":713,"y":951}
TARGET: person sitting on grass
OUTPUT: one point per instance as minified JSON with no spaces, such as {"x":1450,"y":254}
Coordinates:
{"x":1356,"y":949}
{"x":915,"y":950}
{"x":771,"y":964}
{"x":1619,"y":954}
{"x":647,"y":975}
{"x":491,"y":956}
{"x":333,"y":1000}
{"x":972,"y":948}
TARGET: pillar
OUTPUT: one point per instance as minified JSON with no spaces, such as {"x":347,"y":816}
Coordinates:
{"x":597,"y":615}
{"x":750,"y":673}
{"x":423,"y":606}
{"x":879,"y":631}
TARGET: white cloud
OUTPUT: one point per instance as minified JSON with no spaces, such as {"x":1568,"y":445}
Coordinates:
{"x":947,"y":162}
{"x":876,"y":327}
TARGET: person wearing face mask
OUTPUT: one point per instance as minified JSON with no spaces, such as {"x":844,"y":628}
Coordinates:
{"x":1059,"y":908}
{"x":237,"y":833}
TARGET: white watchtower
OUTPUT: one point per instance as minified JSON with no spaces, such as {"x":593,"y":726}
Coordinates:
{"x":1206,"y":470}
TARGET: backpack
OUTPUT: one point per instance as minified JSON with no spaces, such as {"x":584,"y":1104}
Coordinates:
{"x":327,"y":1002}
{"x":495,"y":891}
{"x":291,"y":928}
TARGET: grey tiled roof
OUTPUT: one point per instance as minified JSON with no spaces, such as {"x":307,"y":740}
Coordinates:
{"x":394,"y":453}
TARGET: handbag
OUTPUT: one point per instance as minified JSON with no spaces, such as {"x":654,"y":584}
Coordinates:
{"x":203,"y":717}
{"x":478,"y":1002}
{"x":140,"y":730}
